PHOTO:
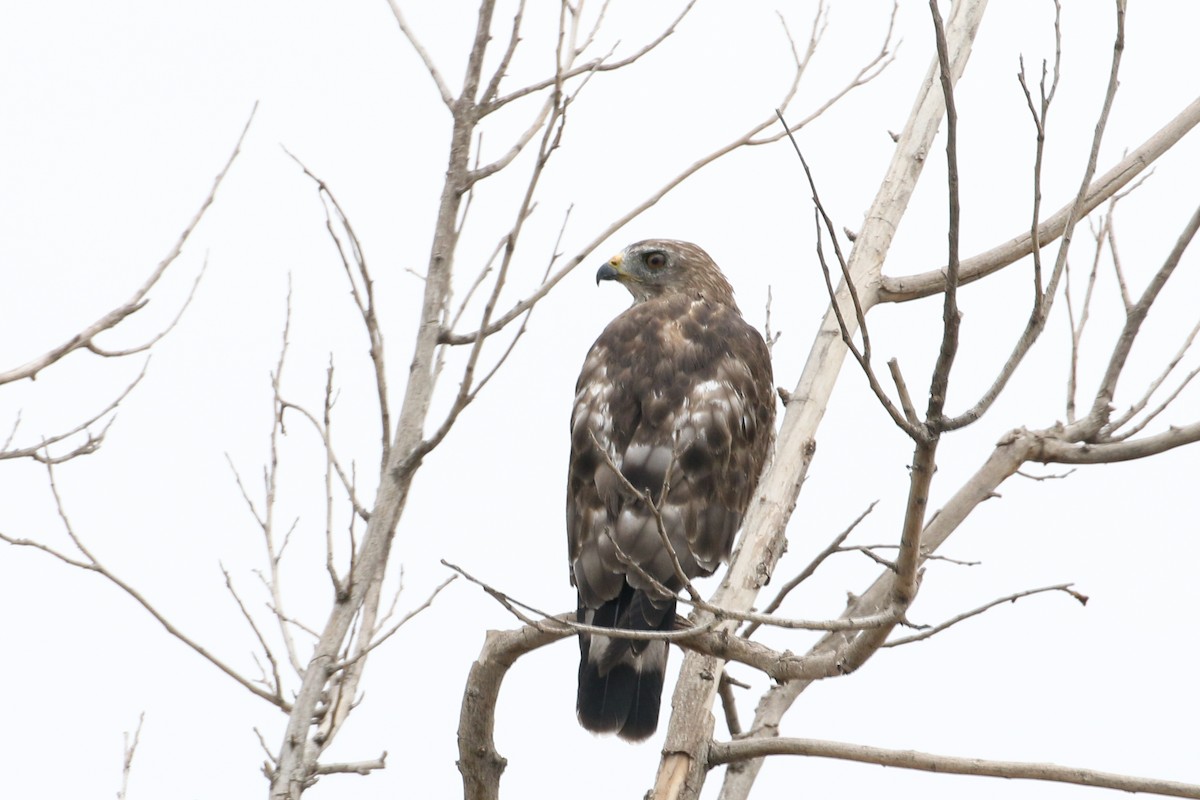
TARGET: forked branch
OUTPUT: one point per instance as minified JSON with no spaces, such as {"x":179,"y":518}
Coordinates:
{"x":85,"y":339}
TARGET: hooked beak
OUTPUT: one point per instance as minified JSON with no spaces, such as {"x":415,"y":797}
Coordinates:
{"x":611,"y":271}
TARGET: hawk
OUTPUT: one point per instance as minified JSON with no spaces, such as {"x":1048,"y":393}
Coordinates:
{"x":677,"y":395}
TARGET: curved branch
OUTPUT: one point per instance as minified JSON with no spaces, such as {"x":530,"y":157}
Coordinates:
{"x":478,"y":761}
{"x":85,"y":338}
{"x":1060,"y":451}
{"x":924,"y":284}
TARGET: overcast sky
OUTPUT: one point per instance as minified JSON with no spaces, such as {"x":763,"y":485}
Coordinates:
{"x":116,"y":116}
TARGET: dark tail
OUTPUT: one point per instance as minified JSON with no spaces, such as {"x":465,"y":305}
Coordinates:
{"x":621,"y":681}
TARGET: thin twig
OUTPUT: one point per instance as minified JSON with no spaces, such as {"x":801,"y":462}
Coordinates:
{"x":91,"y":564}
{"x":364,"y":300}
{"x":863,"y":357}
{"x":130,"y":749}
{"x":1133,"y":323}
{"x":1012,"y":598}
{"x":384,"y":637}
{"x":86,"y":337}
{"x":1041,"y":312}
{"x":276,"y":684}
{"x":41,"y":452}
{"x":807,"y":572}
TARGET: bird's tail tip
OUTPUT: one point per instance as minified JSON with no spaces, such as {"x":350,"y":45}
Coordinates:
{"x":624,"y":701}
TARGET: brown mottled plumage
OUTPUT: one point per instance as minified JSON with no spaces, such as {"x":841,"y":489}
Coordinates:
{"x":678,"y":392}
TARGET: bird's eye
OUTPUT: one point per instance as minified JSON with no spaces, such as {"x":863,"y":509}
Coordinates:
{"x":656,"y":260}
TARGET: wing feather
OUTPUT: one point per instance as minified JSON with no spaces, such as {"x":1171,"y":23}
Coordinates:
{"x":678,"y":394}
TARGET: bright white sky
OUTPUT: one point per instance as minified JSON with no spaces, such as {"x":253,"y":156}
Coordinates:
{"x":116,"y":117}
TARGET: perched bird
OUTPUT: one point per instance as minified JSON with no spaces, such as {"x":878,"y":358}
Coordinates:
{"x":677,"y":396}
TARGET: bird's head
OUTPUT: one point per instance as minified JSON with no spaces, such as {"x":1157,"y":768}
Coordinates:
{"x":657,"y":267}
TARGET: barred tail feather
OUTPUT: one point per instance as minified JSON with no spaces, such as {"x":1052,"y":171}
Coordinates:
{"x":621,"y":680}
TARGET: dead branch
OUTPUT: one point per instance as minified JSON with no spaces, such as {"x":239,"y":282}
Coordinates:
{"x":275,"y":684}
{"x":1012,"y":598}
{"x":807,"y":572}
{"x":1018,"y":447}
{"x":1077,"y":329}
{"x":590,"y":67}
{"x":362,"y":290}
{"x":130,"y":749}
{"x":1134,"y":319}
{"x":41,"y":452}
{"x":1039,"y":113}
{"x":554,"y":622}
{"x":1060,"y":449}
{"x":362,"y":653}
{"x":478,"y":761}
{"x":911,"y":287}
{"x":91,"y":564}
{"x":730,"y":752}
{"x":1010,"y":453}
{"x":1041,"y":310}
{"x":863,"y":357}
{"x":86,"y":338}
{"x":442,"y":87}
{"x":729,"y":705}
{"x":356,"y":767}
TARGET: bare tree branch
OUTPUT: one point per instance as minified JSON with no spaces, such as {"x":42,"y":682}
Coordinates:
{"x":1041,"y":310}
{"x":41,"y":452}
{"x":729,"y":705}
{"x":748,"y":138}
{"x":729,"y":752}
{"x":924,"y":284}
{"x":807,"y":572}
{"x":92,"y":564}
{"x":957,"y":618}
{"x":275,"y":685}
{"x":362,"y":653}
{"x":356,"y":768}
{"x":130,"y":750}
{"x":1133,"y":323}
{"x":86,"y":337}
{"x":863,"y":357}
{"x":1059,"y":450}
{"x":478,"y":761}
{"x":362,"y":290}
{"x":1016,"y":448}
{"x":593,"y":66}
{"x":419,"y":49}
